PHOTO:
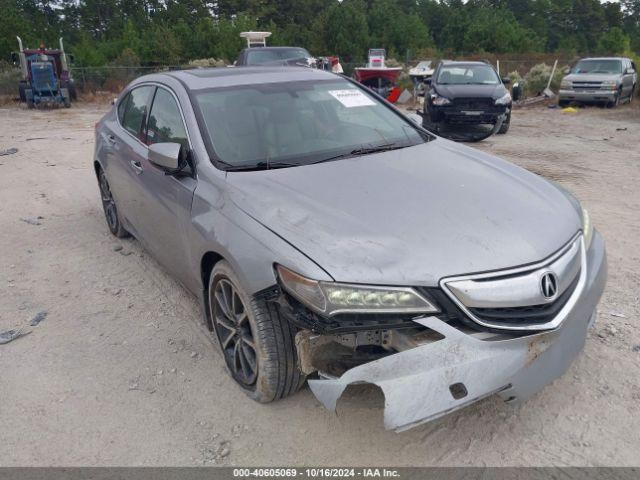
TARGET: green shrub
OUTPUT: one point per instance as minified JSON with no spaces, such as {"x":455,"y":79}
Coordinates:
{"x":537,"y":78}
{"x":9,"y":79}
{"x":205,"y":63}
{"x":515,"y":77}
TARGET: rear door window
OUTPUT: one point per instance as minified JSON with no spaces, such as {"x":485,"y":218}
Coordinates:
{"x":122,"y":107}
{"x":136,"y":110}
{"x":165,"y":121}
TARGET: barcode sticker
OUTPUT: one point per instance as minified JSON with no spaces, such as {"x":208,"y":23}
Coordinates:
{"x":352,"y":98}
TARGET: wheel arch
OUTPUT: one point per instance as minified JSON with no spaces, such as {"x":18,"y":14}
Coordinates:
{"x":97,"y":167}
{"x":207,"y":262}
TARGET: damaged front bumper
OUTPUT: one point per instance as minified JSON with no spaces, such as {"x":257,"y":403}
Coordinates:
{"x":428,"y":381}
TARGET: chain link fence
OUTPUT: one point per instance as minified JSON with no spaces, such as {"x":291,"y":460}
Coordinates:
{"x":111,"y":78}
{"x":114,"y":78}
{"x":87,"y":79}
{"x":9,"y":79}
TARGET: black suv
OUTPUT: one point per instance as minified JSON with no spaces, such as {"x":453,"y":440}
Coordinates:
{"x":467,"y":93}
{"x":287,"y":56}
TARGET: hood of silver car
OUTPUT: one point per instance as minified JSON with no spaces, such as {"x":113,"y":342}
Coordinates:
{"x":592,"y":77}
{"x":410,"y":216}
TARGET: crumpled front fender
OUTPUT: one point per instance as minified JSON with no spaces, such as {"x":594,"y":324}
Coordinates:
{"x":418,"y":383}
{"x":431,"y":380}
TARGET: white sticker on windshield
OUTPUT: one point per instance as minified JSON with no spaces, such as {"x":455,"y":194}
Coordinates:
{"x":352,"y":98}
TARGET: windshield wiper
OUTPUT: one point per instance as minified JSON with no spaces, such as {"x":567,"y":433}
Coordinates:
{"x":272,"y":165}
{"x":378,"y":148}
{"x":363,"y":151}
{"x":260,"y":166}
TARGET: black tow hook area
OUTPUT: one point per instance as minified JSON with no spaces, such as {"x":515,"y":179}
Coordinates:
{"x":469,"y":133}
{"x":458,"y":391}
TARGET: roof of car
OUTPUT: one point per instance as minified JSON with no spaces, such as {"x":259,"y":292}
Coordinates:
{"x":603,"y":58}
{"x":463,"y":62}
{"x":275,"y":48}
{"x":204,"y":78}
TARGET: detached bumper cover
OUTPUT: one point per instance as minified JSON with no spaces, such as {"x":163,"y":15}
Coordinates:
{"x":431,"y":380}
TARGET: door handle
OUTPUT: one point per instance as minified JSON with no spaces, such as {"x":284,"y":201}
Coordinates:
{"x":137,"y":166}
{"x":111,"y":139}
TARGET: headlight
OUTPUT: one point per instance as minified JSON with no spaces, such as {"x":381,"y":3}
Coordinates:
{"x":610,"y":84}
{"x":504,"y":100}
{"x":439,"y":101}
{"x":587,"y":228}
{"x":566,"y":85}
{"x":332,"y":298}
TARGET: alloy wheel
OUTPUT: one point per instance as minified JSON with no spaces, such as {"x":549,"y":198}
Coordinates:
{"x":108,"y":203}
{"x":234,"y":331}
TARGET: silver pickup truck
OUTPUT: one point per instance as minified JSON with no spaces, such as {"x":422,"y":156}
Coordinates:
{"x":599,"y":80}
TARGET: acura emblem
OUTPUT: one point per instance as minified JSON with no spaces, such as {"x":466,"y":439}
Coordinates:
{"x":549,"y":285}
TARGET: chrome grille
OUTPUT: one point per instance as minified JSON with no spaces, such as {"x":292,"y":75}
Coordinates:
{"x":526,"y":315}
{"x":514,"y":299}
{"x":587,"y":85}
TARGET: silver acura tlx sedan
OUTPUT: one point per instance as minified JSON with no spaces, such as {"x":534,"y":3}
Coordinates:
{"x":330,"y":236}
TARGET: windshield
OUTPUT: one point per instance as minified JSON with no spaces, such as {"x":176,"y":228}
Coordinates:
{"x":468,"y":75}
{"x":598,"y":66}
{"x":297,"y":123}
{"x":258,"y":55}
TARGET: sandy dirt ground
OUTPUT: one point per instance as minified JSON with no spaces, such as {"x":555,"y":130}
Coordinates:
{"x":120,"y":372}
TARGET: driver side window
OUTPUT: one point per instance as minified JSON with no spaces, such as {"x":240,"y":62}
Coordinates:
{"x":165,"y":121}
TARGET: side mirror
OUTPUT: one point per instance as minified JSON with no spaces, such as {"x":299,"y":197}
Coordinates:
{"x":165,"y":155}
{"x":506,"y":80}
{"x":629,"y":71}
{"x":415,"y":118}
{"x":566,"y":71}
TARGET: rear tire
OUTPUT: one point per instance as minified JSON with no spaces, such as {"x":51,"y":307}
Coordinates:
{"x":632,"y":94}
{"x":29,"y":98}
{"x":257,"y":344}
{"x":73,"y":93}
{"x":22,"y":88}
{"x":109,"y":206}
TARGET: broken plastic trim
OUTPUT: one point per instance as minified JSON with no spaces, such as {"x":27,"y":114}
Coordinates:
{"x":432,"y":380}
{"x":470,"y":137}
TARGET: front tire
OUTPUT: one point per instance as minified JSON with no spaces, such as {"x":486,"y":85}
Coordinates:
{"x":257,"y":344}
{"x":109,"y":206}
{"x":616,"y":100}
{"x":504,"y":128}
